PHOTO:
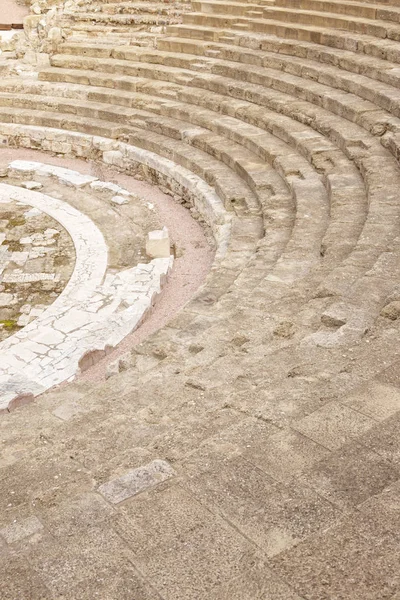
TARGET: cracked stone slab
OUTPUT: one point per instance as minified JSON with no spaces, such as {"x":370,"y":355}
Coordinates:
{"x":136,"y":481}
{"x":67,"y":176}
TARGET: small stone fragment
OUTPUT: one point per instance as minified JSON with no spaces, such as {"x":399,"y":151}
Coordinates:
{"x":31,"y":185}
{"x":284,"y":330}
{"x":112,"y":369}
{"x":5,"y":299}
{"x":334,"y":318}
{"x":391,"y":311}
{"x":158,"y":244}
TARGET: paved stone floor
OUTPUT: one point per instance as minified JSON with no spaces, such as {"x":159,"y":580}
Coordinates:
{"x":123,"y":491}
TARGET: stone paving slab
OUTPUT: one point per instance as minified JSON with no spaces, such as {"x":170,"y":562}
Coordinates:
{"x":136,"y":481}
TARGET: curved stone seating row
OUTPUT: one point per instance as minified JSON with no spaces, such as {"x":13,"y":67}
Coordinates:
{"x":124,"y":19}
{"x":200,"y":79}
{"x":270,"y":19}
{"x":96,"y":309}
{"x":329,"y":37}
{"x":299,"y":271}
{"x":181,"y":74}
{"x":128,"y":63}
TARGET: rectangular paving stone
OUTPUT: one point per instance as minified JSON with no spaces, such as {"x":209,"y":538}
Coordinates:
{"x":384,"y":439}
{"x":391,"y":375}
{"x":350,"y":475}
{"x":94,"y":554}
{"x":333,"y":425}
{"x":77,"y":516}
{"x":384,"y":508}
{"x":376,"y":401}
{"x":136,"y":481}
{"x":182,"y":548}
{"x":21,"y":529}
{"x":19,"y":581}
{"x":274,"y":516}
{"x":123,"y":584}
{"x":284,"y":454}
{"x":258,"y":583}
{"x":356,"y":559}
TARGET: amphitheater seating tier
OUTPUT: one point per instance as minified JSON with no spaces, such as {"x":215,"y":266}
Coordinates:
{"x":271,"y":399}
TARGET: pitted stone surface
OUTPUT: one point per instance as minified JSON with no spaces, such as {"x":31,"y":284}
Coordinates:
{"x":136,"y":481}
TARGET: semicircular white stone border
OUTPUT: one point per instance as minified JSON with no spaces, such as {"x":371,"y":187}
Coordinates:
{"x":121,"y":155}
{"x":95,"y":311}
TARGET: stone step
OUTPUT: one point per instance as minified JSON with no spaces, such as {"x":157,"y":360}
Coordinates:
{"x":356,"y":43}
{"x":129,"y":8}
{"x":229,"y":186}
{"x":276,"y":17}
{"x":356,"y":9}
{"x":375,"y":68}
{"x":355,"y":92}
{"x":268,"y":97}
{"x":142,"y":16}
{"x":113,"y":33}
{"x":334,"y":61}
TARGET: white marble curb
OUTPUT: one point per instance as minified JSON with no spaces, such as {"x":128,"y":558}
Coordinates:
{"x":94,"y":312}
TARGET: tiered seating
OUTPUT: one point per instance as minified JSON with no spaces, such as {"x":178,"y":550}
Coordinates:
{"x":279,"y":124}
{"x":116,"y":21}
{"x":298,"y":95}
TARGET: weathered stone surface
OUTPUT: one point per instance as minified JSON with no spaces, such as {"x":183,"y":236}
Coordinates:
{"x":21,"y":529}
{"x":391,"y":310}
{"x":274,"y":393}
{"x":136,"y":481}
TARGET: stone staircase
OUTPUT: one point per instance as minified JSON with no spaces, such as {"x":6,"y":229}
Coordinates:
{"x":136,"y":22}
{"x":271,"y":400}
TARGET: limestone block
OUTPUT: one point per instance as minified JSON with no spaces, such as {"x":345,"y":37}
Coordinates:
{"x":31,"y":185}
{"x":113,"y":157}
{"x":158,"y":244}
{"x":119,"y":200}
{"x":136,"y":481}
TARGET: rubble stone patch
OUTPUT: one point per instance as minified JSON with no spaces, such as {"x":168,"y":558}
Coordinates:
{"x":31,"y":272}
